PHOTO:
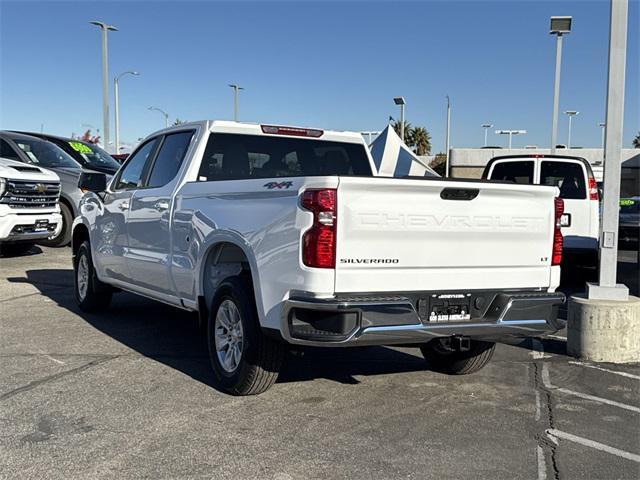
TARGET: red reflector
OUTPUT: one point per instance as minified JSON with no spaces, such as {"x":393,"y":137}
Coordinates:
{"x":292,"y":131}
{"x":593,"y":189}
{"x":556,"y":253}
{"x":319,"y":242}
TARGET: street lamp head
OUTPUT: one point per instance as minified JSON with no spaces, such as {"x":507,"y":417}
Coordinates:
{"x":487,"y":125}
{"x":103,"y":25}
{"x":560,"y":25}
{"x":399,"y":101}
{"x":571,"y":113}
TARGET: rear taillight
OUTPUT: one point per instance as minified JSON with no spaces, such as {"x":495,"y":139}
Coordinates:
{"x":319,"y":242}
{"x":556,"y":254}
{"x":593,"y":189}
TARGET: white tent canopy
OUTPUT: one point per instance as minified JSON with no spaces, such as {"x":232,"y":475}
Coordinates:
{"x":393,"y":158}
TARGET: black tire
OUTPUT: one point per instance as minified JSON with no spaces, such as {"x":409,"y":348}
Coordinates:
{"x":445,"y":360}
{"x":64,"y":237}
{"x":261,"y":357}
{"x":95,"y":296}
{"x":15,"y":249}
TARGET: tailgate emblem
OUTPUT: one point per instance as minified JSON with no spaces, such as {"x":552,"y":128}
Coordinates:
{"x":278,"y":185}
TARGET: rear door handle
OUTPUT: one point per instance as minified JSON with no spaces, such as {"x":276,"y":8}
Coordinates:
{"x":161,"y":205}
{"x":124,"y":206}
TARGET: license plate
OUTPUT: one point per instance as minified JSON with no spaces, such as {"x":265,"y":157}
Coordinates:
{"x":450,"y":307}
{"x":41,"y":225}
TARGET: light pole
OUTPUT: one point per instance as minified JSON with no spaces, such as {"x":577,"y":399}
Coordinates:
{"x":602,"y":125}
{"x":570,"y":114}
{"x":400,"y":101}
{"x":607,"y":288}
{"x":116,"y":99}
{"x":486,"y":127}
{"x":559,"y":27}
{"x":236,"y":88}
{"x":166,"y":115}
{"x":105,"y":79}
{"x":448,"y":139}
{"x":511,"y":133}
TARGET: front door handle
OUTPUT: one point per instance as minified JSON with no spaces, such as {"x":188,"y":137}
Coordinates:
{"x":161,"y":205}
{"x":124,"y":206}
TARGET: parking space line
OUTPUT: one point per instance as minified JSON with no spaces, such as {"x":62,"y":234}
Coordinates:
{"x":547,"y":383}
{"x":557,"y":337}
{"x":537,"y":405}
{"x":542,"y":465}
{"x":552,"y":432}
{"x":537,"y":349}
{"x":595,"y":367}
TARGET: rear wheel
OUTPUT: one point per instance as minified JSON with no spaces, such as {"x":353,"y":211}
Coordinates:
{"x":244,"y":360}
{"x":91,"y":294}
{"x":64,"y":237}
{"x":442,"y":357}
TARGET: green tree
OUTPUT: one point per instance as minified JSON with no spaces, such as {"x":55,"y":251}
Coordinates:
{"x":421,"y":140}
{"x":636,"y":141}
{"x":408,"y":140}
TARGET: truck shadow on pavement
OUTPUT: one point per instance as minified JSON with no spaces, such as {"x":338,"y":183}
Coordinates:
{"x":172,"y":337}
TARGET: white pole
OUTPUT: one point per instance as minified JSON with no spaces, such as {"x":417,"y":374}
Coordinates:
{"x":607,"y":289}
{"x":402,"y":122}
{"x":105,"y":88}
{"x":569,"y":137}
{"x":116,"y":113}
{"x":510,"y":137}
{"x":485,"y":136}
{"x":448,"y":139}
{"x":556,"y":94}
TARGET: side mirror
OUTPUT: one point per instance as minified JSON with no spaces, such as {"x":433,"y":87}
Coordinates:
{"x":92,"y":182}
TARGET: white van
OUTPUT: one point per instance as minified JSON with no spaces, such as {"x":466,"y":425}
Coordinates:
{"x":578,"y":188}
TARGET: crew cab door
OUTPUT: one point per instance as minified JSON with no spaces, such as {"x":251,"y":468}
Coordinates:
{"x":111,"y":240}
{"x":149,"y":221}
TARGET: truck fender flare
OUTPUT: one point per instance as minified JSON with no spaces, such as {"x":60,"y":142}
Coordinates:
{"x":215,"y":239}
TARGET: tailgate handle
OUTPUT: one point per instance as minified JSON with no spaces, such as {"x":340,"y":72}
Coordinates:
{"x":459,"y":193}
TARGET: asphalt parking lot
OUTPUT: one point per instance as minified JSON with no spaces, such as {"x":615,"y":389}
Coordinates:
{"x":128,"y":394}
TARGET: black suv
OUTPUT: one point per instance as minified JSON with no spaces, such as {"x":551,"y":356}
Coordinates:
{"x":87,"y":154}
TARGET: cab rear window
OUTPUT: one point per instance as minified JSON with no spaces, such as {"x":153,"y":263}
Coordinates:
{"x":234,"y":157}
{"x":567,"y":176}
{"x":517,"y":172}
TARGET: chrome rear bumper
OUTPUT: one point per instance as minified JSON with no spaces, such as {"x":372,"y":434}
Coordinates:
{"x":380,"y":320}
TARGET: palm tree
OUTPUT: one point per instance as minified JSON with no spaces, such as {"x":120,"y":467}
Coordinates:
{"x":636,"y":141}
{"x":422,"y":140}
{"x":408,"y":140}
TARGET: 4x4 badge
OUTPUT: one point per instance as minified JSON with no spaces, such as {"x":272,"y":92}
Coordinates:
{"x":278,"y":185}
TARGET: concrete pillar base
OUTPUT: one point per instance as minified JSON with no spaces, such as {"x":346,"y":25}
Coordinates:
{"x":604,"y":330}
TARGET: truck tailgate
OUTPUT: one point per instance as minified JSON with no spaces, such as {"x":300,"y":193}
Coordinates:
{"x":399,"y":235}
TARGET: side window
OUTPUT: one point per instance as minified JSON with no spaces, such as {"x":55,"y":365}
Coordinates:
{"x":131,"y":175}
{"x":7,"y":152}
{"x":169,"y":158}
{"x":567,"y":176}
{"x":517,"y":172}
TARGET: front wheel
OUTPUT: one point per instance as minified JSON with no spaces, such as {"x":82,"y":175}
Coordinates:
{"x":64,"y":237}
{"x":91,"y":294}
{"x":244,"y":360}
{"x":443,"y":358}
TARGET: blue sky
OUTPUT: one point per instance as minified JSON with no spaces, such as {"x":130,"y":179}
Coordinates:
{"x":333,"y":65}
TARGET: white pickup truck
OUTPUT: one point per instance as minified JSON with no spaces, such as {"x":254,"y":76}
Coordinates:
{"x":281,"y":237}
{"x":29,"y":208}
